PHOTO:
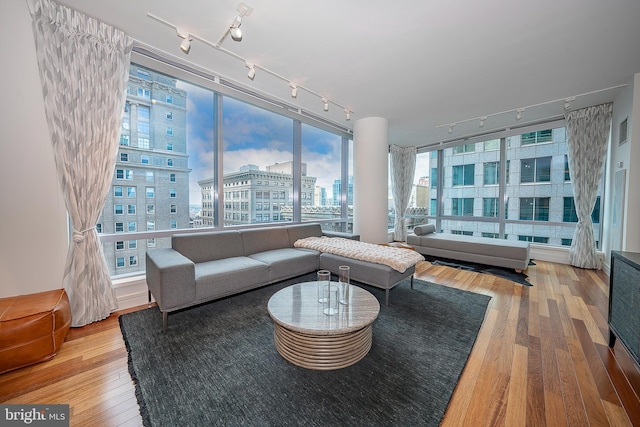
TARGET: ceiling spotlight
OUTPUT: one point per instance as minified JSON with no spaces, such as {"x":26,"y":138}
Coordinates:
{"x":482,"y":119}
{"x":347,"y":114}
{"x":185,"y":46}
{"x":235,"y":31}
{"x":451,"y":126}
{"x":294,"y":89}
{"x":325,"y":103}
{"x":252,"y":71}
{"x":519,"y":113}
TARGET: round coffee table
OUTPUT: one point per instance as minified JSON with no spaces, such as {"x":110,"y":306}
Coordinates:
{"x":307,"y":337}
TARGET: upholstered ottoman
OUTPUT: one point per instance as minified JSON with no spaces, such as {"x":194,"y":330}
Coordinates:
{"x":32,"y":328}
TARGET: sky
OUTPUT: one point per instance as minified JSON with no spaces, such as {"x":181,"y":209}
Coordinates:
{"x":252,"y":136}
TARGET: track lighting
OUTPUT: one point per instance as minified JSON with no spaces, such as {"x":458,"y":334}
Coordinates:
{"x":567,"y":104}
{"x":252,"y":71}
{"x":234,"y":30}
{"x":185,"y":45}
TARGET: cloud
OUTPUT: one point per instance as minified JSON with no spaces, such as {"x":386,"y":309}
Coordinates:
{"x":252,"y":135}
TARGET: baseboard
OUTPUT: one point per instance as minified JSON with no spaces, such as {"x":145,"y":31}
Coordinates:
{"x":131,"y":292}
{"x":549,"y":253}
{"x":559,"y":254}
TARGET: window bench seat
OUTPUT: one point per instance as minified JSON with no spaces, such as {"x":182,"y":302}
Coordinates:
{"x":482,"y":250}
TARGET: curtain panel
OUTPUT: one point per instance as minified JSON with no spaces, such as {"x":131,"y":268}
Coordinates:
{"x":403,"y":167}
{"x":587,"y":139}
{"x":84,"y":70}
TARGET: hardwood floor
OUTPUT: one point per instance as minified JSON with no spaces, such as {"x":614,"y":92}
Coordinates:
{"x":541,"y":359}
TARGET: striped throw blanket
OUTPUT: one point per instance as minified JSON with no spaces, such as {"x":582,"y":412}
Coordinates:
{"x":397,"y":258}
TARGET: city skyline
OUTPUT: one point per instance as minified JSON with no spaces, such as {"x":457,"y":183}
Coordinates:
{"x":252,"y":135}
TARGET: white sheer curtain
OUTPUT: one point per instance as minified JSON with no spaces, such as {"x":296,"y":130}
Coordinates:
{"x":403,"y":167}
{"x":84,"y":70}
{"x":587,"y":137}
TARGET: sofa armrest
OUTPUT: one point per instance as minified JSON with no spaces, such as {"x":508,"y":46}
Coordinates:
{"x":171,"y":278}
{"x":341,"y":234}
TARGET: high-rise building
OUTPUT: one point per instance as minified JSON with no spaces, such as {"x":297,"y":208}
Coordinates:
{"x":319,"y":196}
{"x":337,"y":188}
{"x":254,"y":196}
{"x":538,"y":200}
{"x":150,"y":187}
{"x":421,"y":193}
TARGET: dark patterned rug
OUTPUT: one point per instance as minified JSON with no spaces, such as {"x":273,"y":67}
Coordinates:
{"x":505,"y":273}
{"x":217,"y":364}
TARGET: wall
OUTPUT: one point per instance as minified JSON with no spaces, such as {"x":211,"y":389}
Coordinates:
{"x":627,"y":157}
{"x":33,"y":225}
{"x":632,"y":206}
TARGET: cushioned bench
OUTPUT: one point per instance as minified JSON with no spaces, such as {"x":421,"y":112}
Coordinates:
{"x":483,"y":250}
{"x":32,"y":328}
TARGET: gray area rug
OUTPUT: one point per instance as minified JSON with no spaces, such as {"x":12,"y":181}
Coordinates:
{"x":217,"y":364}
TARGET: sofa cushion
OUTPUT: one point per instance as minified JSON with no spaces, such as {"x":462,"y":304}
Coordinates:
{"x":228,"y":276}
{"x":379,"y":275}
{"x":424,"y":229}
{"x":208,"y":246}
{"x":513,"y":249}
{"x":300,"y":231}
{"x":264,"y":239}
{"x":288,"y":262}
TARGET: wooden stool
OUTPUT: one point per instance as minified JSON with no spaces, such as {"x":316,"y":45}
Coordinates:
{"x":32,"y":328}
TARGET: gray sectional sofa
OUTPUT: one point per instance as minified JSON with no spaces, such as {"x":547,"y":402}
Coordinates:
{"x":204,"y":266}
{"x":482,"y":250}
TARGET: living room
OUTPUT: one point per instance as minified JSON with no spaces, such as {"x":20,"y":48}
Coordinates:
{"x":30,"y":185}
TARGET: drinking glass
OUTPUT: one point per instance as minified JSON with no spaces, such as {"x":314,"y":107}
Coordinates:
{"x":324,"y":278}
{"x":343,"y":278}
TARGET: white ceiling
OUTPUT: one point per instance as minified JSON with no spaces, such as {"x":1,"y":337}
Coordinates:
{"x":419,"y":63}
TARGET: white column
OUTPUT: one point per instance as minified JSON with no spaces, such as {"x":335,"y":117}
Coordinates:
{"x":370,"y":179}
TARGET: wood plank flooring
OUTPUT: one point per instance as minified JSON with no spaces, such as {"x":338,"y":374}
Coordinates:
{"x":541,"y":359}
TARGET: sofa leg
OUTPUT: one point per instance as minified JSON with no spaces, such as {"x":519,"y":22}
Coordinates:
{"x":165,"y":320}
{"x":412,"y":281}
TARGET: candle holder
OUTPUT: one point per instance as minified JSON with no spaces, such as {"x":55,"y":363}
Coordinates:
{"x":343,"y":278}
{"x":324,"y":278}
{"x":330,"y":294}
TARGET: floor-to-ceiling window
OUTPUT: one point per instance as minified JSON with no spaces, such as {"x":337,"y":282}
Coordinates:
{"x":514,"y":185}
{"x":195,"y":155}
{"x":257,"y":164}
{"x":327,"y":179}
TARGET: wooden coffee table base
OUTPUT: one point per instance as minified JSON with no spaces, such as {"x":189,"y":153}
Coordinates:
{"x":306,"y":337}
{"x":322,"y":352}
